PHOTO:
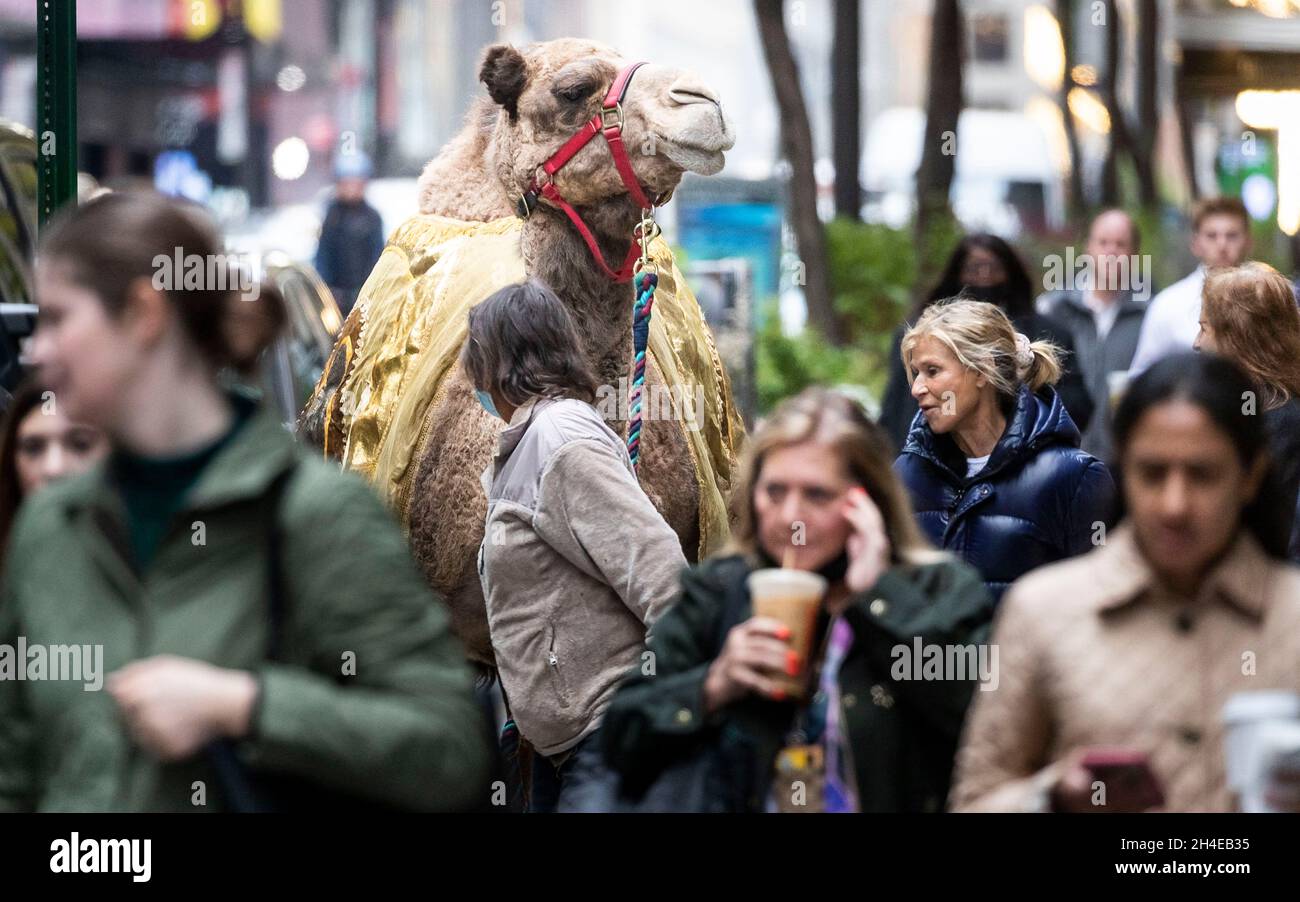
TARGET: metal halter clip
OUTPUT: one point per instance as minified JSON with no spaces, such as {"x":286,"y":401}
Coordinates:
{"x":525,"y":204}
{"x":644,"y":232}
{"x":616,"y":111}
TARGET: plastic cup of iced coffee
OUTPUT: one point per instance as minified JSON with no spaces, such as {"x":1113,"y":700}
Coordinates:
{"x":793,"y":598}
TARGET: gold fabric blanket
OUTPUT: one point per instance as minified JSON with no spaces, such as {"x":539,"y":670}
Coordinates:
{"x":413,"y":320}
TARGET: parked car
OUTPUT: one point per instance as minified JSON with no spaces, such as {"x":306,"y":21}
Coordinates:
{"x":294,"y":364}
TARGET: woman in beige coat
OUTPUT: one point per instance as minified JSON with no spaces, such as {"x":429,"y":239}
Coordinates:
{"x":1129,"y":653}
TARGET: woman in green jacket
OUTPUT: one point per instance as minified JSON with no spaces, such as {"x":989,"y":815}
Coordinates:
{"x":210,"y":610}
{"x":897,"y":647}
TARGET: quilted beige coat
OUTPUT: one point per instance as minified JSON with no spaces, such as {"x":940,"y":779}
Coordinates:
{"x":1093,"y":652}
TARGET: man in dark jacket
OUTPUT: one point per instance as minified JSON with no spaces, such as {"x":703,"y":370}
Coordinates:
{"x":352,"y":235}
{"x":1104,"y":317}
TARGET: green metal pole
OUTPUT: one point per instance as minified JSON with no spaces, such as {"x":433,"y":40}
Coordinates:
{"x":56,"y":105}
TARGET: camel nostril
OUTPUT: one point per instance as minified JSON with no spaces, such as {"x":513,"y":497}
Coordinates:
{"x":688,"y":95}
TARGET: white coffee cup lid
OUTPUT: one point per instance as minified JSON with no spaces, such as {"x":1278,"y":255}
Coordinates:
{"x":1267,"y":704}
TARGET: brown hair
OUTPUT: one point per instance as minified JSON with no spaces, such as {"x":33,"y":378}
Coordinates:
{"x":828,"y":417}
{"x":1256,"y":324}
{"x":26,"y":398}
{"x":1219,"y":206}
{"x":108,"y":243}
{"x":252,"y":323}
{"x":982,"y":338}
{"x":523,"y":344}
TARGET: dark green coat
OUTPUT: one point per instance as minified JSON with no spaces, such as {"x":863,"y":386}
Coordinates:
{"x":402,"y":728}
{"x":903,"y":732}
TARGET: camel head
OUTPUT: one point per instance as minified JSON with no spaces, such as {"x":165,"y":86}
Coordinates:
{"x":545,"y":92}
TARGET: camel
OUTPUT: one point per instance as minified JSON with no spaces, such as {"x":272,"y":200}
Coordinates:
{"x":540,"y":95}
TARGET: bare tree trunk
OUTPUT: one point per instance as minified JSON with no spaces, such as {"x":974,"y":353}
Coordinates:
{"x":1186,"y":116}
{"x":1144,"y":137}
{"x":943,"y":108}
{"x":846,"y":110}
{"x":1120,"y":141}
{"x":1074,"y":187}
{"x":797,"y":148}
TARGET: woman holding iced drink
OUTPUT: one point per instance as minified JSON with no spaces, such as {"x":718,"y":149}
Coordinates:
{"x":794,"y":667}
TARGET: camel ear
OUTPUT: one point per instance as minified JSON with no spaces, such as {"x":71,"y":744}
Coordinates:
{"x":505,"y":73}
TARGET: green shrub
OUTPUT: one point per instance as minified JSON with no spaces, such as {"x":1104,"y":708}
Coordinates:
{"x":873,"y":273}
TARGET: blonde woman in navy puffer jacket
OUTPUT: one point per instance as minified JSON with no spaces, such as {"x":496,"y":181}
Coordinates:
{"x":992,"y":461}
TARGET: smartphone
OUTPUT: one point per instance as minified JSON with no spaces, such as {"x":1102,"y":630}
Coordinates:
{"x":1127,"y":772}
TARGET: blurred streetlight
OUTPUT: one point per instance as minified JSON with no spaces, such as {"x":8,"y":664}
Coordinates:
{"x":1044,"y":49}
{"x":1089,"y":110}
{"x":1279,"y":110}
{"x":1277,"y":9}
{"x":290,"y":158}
{"x":291,"y":78}
{"x":1084,"y":74}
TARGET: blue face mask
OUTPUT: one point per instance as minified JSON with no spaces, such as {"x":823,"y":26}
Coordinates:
{"x":486,"y":400}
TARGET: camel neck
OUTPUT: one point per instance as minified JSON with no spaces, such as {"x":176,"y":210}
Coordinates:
{"x":602,"y":309}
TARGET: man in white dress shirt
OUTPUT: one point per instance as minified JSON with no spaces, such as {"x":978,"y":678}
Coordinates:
{"x":1220,"y":237}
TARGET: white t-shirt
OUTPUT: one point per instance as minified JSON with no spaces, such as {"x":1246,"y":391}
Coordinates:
{"x":1103,"y":314}
{"x":1171,"y":322}
{"x":975,"y":464}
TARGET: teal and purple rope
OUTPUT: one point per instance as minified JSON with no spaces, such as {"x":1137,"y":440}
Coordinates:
{"x":645,"y":283}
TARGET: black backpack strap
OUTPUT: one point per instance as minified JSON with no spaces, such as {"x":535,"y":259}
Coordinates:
{"x":276,"y":585}
{"x":233,"y":780}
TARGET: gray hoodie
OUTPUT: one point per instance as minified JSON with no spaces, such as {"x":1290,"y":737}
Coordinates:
{"x":576,"y":565}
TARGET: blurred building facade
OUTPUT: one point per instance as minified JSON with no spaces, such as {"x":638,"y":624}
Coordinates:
{"x":252,"y":101}
{"x":1225,"y":80}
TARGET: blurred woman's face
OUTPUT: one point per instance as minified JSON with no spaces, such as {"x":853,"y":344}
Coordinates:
{"x":49,"y":446}
{"x":84,"y":355}
{"x":1186,"y":488}
{"x":798,"y":505}
{"x":982,"y":269}
{"x":947,"y":392}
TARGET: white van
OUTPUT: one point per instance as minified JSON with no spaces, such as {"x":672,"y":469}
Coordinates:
{"x":1005,"y":181}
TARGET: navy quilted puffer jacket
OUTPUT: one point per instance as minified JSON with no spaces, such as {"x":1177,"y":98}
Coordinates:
{"x":1036,"y":501}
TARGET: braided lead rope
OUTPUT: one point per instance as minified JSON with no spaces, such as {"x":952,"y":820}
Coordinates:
{"x":645,"y":283}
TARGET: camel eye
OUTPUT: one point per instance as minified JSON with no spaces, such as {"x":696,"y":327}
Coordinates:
{"x":573,"y":93}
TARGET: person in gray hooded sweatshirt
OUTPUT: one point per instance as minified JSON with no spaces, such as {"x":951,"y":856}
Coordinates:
{"x":576,"y":563}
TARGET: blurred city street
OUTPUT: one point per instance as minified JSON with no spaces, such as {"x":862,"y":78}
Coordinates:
{"x":692,"y":406}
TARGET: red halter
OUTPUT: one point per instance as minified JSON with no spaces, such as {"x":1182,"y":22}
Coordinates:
{"x":608,"y":122}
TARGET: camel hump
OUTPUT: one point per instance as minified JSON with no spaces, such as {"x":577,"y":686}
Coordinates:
{"x":415,"y":306}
